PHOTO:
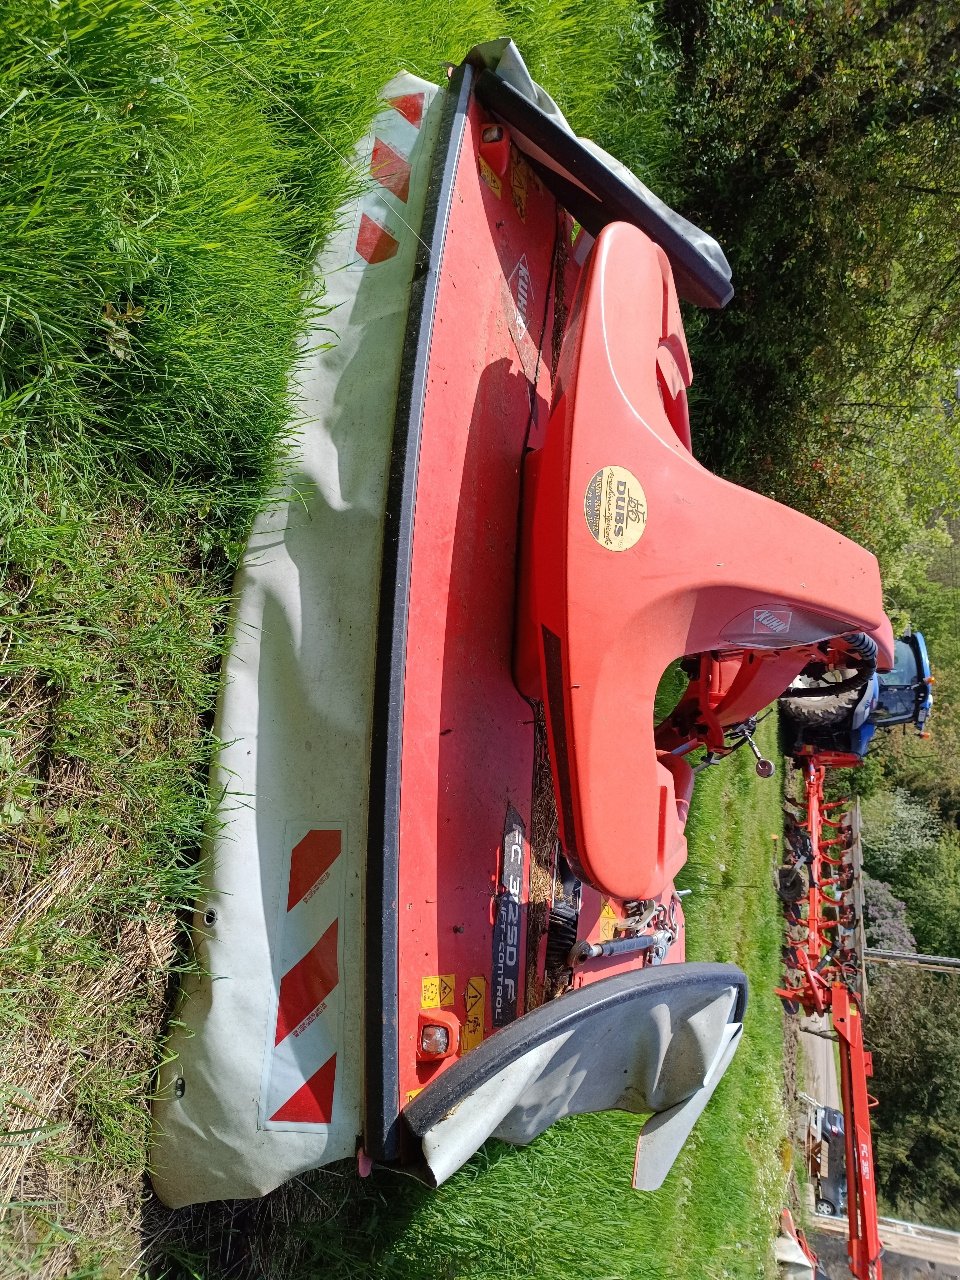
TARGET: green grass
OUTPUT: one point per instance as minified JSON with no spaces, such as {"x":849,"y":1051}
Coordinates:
{"x":170,"y":168}
{"x":562,"y":1209}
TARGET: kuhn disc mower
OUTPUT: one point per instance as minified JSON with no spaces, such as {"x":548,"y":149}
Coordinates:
{"x":441,"y":903}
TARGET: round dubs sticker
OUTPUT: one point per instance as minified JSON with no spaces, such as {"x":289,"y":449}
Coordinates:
{"x":616,"y":508}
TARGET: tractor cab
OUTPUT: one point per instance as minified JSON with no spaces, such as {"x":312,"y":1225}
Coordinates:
{"x":837,"y":712}
{"x":904,"y":695}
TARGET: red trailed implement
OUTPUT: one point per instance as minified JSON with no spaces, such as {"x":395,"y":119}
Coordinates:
{"x":824,"y":977}
{"x":549,"y":546}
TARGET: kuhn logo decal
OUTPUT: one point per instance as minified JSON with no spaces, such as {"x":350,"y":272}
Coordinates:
{"x":506,"y":928}
{"x":615,"y":508}
{"x":776,"y":621}
{"x":518,"y":183}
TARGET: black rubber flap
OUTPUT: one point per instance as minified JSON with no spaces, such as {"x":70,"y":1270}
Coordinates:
{"x":596,"y":195}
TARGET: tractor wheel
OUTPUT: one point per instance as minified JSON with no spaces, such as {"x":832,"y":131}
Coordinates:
{"x":820,"y":712}
{"x":791,"y":885}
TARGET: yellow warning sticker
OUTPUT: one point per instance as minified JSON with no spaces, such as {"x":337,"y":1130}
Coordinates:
{"x":490,"y":178}
{"x":475,"y":998}
{"x":575,"y":229}
{"x":412,"y":1093}
{"x":608,"y":921}
{"x":615,"y":508}
{"x":518,"y":183}
{"x":436,"y":992}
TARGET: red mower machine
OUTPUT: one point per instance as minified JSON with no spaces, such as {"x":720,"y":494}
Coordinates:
{"x":441,"y":905}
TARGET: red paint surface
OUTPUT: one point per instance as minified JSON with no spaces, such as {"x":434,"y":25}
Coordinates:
{"x":468,"y":734}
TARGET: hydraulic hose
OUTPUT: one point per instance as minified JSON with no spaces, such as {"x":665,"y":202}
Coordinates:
{"x":862,"y":647}
{"x":860,"y":643}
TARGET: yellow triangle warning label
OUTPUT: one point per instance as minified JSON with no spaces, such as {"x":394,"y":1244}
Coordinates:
{"x":437,"y":990}
{"x":475,"y":999}
{"x":608,"y":921}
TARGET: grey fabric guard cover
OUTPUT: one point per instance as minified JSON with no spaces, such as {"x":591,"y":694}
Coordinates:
{"x":296,"y":717}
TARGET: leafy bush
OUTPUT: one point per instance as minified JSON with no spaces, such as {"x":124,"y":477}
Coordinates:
{"x":913,"y":1029}
{"x":886,"y":918}
{"x":823,"y":150}
{"x":898,"y":831}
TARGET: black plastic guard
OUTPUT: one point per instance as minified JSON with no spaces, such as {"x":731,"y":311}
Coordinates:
{"x":596,"y":195}
{"x":655,"y":1039}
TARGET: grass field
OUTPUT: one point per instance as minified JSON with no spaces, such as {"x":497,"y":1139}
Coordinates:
{"x":563,"y":1209}
{"x":169,"y":170}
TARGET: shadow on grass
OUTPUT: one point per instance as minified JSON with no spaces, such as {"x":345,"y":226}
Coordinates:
{"x":330,"y":1221}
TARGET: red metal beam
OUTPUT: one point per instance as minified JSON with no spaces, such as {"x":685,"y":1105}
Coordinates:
{"x":864,"y":1248}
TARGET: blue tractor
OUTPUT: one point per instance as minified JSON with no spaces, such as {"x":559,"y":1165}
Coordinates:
{"x":837,"y":712}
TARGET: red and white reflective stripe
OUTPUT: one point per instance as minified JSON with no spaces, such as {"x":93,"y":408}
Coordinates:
{"x":374,"y":244}
{"x":390,"y":169}
{"x":395,"y":133}
{"x":301,"y":1067}
{"x":410,"y":106}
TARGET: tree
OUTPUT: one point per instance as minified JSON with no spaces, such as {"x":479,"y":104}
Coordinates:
{"x":823,"y":150}
{"x":886,"y":923}
{"x":913,"y":1030}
